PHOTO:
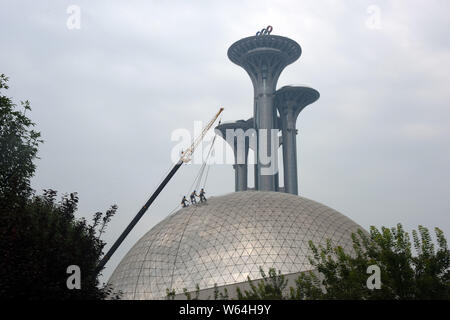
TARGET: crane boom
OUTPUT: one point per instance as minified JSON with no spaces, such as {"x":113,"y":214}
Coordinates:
{"x":185,"y":157}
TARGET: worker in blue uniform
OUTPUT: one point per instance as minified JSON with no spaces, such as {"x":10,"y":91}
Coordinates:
{"x":193,"y":195}
{"x":202,"y":195}
{"x":184,"y":202}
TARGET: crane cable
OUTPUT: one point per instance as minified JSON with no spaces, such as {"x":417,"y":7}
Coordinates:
{"x":206,"y":178}
{"x":199,"y":176}
{"x":205,"y":163}
{"x":179,"y":244}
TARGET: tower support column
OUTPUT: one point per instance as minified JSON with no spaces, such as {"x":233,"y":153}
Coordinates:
{"x":289,"y":152}
{"x":242,"y":183}
{"x":267,"y":133}
{"x":290,"y":101}
{"x":234,"y":133}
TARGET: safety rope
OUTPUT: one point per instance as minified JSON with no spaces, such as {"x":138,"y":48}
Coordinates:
{"x":206,"y":161}
{"x":198,"y":178}
{"x":155,"y":238}
{"x":206,"y":178}
{"x":179,"y":245}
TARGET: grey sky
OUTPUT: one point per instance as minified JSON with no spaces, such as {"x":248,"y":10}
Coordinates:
{"x":108,"y":96}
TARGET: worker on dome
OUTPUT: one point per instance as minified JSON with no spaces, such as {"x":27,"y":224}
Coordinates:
{"x":184,"y":202}
{"x":202,"y":195}
{"x":193,"y":195}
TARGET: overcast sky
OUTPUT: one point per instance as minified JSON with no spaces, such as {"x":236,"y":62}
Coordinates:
{"x":108,"y":96}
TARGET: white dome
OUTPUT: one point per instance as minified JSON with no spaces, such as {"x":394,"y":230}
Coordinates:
{"x":227,"y":239}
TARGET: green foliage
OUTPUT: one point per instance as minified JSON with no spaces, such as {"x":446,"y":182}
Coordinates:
{"x":342,"y":275}
{"x":217,"y":295}
{"x":307,"y":287}
{"x":170,"y":294}
{"x":18,"y":149}
{"x":220,"y":295}
{"x":270,"y":287}
{"x":188,"y":294}
{"x":38,"y":243}
{"x":40,"y":236}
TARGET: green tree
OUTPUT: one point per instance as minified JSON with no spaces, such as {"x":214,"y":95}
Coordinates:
{"x":405,"y":274}
{"x":18,"y":149}
{"x":38,"y":243}
{"x":416,"y":270}
{"x":40,"y":236}
{"x":270,"y":287}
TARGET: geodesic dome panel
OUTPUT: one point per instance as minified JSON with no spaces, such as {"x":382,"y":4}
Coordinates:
{"x":227,"y":239}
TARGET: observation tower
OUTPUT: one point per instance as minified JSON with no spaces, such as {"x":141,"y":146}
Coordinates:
{"x":264,"y":57}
